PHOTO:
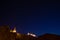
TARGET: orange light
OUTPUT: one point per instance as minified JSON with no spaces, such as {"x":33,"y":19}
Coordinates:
{"x":18,"y":34}
{"x":14,"y":31}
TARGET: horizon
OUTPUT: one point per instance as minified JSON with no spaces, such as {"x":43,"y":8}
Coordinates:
{"x":38,"y":17}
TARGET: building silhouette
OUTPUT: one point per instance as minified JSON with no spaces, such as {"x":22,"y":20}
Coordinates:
{"x":11,"y":34}
{"x":7,"y":34}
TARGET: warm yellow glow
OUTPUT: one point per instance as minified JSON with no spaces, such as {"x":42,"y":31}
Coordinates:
{"x":31,"y":34}
{"x":10,"y":30}
{"x":14,"y":30}
{"x":18,"y":34}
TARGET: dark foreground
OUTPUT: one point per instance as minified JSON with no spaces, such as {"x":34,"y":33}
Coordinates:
{"x":5,"y":34}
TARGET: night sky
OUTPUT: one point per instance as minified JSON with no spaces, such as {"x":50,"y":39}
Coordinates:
{"x":38,"y":17}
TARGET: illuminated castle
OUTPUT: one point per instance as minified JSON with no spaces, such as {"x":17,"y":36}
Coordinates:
{"x":7,"y":34}
{"x":14,"y":31}
{"x":28,"y":36}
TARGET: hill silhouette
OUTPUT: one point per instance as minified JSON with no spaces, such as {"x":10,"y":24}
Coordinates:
{"x":48,"y":36}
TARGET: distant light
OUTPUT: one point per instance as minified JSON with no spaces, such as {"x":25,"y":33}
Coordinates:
{"x":14,"y":30}
{"x":31,"y":34}
{"x":10,"y":30}
{"x":28,"y":34}
{"x":18,"y":34}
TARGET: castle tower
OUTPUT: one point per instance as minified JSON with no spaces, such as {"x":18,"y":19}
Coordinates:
{"x":14,"y":30}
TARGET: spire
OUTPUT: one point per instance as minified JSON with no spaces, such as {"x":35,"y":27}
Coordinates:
{"x":14,"y":30}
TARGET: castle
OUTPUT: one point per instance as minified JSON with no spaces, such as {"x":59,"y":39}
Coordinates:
{"x":11,"y":34}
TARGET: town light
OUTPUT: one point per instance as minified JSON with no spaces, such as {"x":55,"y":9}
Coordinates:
{"x":31,"y":34}
{"x":14,"y":30}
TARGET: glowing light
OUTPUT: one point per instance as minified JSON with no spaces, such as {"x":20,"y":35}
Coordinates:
{"x":31,"y":34}
{"x":14,"y":30}
{"x":18,"y":34}
{"x":28,"y":34}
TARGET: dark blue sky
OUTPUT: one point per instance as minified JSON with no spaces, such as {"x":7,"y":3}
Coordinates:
{"x":38,"y":17}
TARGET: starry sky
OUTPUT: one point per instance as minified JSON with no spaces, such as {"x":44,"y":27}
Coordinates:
{"x":38,"y":17}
